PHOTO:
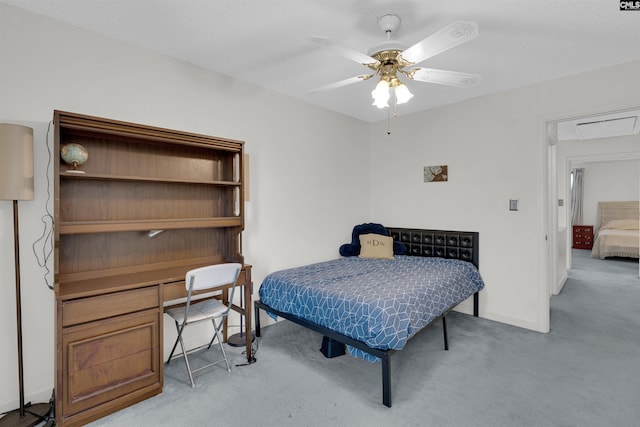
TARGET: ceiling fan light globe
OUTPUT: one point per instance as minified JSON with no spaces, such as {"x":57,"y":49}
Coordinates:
{"x":381,"y":94}
{"x":402,"y":93}
{"x":381,"y":87}
{"x":380,"y":103}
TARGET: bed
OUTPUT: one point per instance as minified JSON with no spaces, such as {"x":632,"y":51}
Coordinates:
{"x":617,"y":233}
{"x":373,"y":307}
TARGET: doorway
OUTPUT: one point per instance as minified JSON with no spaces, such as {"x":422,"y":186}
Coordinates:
{"x":606,"y":178}
{"x":562,"y":154}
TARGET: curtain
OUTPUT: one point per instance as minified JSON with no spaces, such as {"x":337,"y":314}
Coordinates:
{"x":576,"y":196}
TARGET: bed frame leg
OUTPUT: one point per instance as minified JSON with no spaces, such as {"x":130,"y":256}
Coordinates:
{"x":386,"y":380}
{"x":446,"y":336}
{"x":257,"y":320}
{"x":476,"y":303}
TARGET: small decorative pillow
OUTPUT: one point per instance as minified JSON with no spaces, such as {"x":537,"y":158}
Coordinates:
{"x":376,"y":246}
{"x":353,"y":248}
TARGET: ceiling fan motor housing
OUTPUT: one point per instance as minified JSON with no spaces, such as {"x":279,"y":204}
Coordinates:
{"x":389,"y":24}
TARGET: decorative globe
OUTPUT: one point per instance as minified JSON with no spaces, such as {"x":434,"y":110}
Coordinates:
{"x":74,"y":154}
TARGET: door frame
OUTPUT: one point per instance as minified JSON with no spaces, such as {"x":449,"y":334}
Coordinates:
{"x":548,"y":190}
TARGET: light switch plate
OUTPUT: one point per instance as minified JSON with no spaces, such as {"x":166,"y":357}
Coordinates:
{"x":514,"y":204}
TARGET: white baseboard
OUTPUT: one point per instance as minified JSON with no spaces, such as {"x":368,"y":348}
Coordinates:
{"x":467,"y":308}
{"x":513,"y":321}
{"x":560,"y":284}
{"x":464,"y":307}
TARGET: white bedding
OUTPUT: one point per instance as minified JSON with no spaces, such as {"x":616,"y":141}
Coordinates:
{"x":618,"y":238}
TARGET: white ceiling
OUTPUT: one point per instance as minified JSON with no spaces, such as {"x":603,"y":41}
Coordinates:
{"x":267,"y":42}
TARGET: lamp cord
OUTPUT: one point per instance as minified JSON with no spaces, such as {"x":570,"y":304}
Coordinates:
{"x":254,"y":350}
{"x":46,"y":239}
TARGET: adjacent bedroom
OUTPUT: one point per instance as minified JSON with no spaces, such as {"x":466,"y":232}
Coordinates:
{"x":605,"y":209}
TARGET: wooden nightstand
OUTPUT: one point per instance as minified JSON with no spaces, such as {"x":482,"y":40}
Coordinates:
{"x":582,"y":236}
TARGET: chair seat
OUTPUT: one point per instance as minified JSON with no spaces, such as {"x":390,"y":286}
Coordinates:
{"x":200,"y":311}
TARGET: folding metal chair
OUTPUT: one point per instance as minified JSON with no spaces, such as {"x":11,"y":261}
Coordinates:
{"x":210,"y":278}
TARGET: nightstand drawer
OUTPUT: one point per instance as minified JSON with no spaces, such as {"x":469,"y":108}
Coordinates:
{"x":582,"y":236}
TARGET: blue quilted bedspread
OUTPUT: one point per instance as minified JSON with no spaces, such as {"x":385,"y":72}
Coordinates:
{"x":380,"y":302}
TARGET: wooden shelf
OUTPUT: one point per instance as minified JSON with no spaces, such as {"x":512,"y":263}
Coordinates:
{"x":106,"y":177}
{"x":82,"y":227}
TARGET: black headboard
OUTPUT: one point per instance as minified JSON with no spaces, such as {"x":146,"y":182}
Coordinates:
{"x":439,"y":243}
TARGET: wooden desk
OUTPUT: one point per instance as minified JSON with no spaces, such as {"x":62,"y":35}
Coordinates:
{"x":177,"y":290}
{"x":112,"y":276}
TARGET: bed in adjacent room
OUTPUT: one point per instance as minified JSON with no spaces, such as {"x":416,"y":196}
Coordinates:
{"x":617,"y":234}
{"x":375,"y":300}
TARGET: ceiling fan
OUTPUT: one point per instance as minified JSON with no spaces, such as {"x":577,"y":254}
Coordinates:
{"x":390,"y":59}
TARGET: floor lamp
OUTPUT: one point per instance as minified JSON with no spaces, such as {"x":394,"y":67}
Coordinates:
{"x":16,"y":183}
{"x":239,"y":339}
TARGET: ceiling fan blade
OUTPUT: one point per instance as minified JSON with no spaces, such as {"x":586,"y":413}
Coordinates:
{"x":345,"y":51}
{"x":450,"y":36}
{"x":341,"y":83}
{"x":444,"y":77}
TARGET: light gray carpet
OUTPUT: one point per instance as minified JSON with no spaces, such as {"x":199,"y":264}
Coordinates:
{"x":585,"y":372}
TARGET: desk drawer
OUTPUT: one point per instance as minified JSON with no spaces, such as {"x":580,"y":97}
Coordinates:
{"x":104,"y":306}
{"x":173,"y":291}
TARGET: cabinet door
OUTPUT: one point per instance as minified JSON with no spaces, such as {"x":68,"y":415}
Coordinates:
{"x":108,"y":361}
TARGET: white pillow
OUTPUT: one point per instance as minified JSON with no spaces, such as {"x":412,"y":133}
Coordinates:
{"x":622,"y":224}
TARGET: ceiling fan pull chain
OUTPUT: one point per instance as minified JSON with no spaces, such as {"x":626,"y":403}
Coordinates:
{"x":395,"y":104}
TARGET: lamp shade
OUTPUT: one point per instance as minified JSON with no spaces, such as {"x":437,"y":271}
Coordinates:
{"x":16,"y":162}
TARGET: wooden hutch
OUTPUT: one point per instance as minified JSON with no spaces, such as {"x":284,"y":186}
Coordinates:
{"x":112,"y":277}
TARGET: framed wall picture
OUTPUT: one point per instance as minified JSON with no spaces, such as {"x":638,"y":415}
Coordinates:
{"x":436,"y":173}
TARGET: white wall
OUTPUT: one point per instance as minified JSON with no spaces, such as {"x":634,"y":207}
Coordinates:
{"x":309,"y":167}
{"x":608,"y":181}
{"x":578,"y":153}
{"x":496,"y":149}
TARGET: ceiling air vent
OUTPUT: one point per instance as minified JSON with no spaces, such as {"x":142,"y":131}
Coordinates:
{"x":608,"y":128}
